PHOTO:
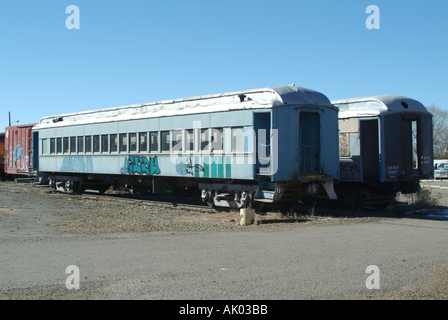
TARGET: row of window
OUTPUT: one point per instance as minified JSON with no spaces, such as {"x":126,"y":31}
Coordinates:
{"x":147,"y":142}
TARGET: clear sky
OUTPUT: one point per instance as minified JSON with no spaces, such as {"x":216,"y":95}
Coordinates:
{"x":136,"y":51}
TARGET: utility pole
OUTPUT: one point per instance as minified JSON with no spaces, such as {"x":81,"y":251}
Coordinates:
{"x":9,"y":112}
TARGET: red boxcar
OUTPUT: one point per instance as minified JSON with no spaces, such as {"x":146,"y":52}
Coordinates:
{"x":19,"y":150}
{"x":2,"y":154}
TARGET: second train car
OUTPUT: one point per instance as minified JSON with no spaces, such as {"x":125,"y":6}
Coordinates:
{"x":385,"y":147}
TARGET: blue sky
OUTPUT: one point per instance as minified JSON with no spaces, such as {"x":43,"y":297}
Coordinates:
{"x":137,"y":51}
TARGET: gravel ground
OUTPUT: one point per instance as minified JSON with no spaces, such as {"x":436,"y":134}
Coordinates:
{"x":61,"y":213}
{"x":29,"y":212}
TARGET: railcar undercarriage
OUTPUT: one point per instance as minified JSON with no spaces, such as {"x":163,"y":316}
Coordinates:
{"x":215,"y":192}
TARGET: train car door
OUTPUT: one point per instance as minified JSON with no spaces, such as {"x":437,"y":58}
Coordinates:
{"x":262,"y":127}
{"x":416,"y":144}
{"x":35,"y":151}
{"x":426,"y":136}
{"x":309,"y":140}
{"x":407,"y":146}
{"x":370,"y":154}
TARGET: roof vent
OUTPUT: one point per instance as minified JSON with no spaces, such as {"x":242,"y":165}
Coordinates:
{"x":242,"y":96}
{"x":404,"y":104}
{"x":57,"y":120}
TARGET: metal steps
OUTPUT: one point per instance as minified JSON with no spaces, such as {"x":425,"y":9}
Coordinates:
{"x":266,"y":190}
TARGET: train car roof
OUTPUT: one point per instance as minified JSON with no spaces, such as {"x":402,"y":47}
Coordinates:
{"x":21,"y":126}
{"x":249,"y":99}
{"x":377,"y":105}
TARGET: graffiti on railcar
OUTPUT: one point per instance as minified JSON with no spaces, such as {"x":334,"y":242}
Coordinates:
{"x":77,"y":164}
{"x":141,"y":165}
{"x":184,"y":166}
{"x":18,"y":151}
{"x":349,"y":171}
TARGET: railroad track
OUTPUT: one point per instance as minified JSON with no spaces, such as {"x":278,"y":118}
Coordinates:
{"x":175,"y":201}
{"x":183,"y":201}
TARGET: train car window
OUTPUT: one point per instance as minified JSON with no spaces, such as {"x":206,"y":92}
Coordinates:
{"x":72,"y":144}
{"x":65,"y":145}
{"x":52,"y":145}
{"x":113,"y":143}
{"x":123,"y":143}
{"x":344,"y":144}
{"x":143,"y":141}
{"x":96,"y":144}
{"x":44,"y":146}
{"x":238,"y":139}
{"x":189,"y":143}
{"x":217,"y":139}
{"x":59,"y":145}
{"x":104,"y":144}
{"x":80,"y":144}
{"x":165,"y":141}
{"x":132,"y":142}
{"x":205,"y":140}
{"x":88,"y":144}
{"x":154,"y":142}
{"x":177,"y":141}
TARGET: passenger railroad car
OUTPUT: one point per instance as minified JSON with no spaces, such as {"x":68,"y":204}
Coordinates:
{"x":240,"y":148}
{"x":385,"y":146}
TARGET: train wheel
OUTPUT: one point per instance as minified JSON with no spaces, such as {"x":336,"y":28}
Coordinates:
{"x":360,"y":202}
{"x":285,"y":206}
{"x":103,"y":189}
{"x":381,"y":206}
{"x":256,"y":205}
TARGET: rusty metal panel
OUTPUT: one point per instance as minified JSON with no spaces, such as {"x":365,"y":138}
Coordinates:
{"x":2,"y":152}
{"x":426,"y":156}
{"x":18,"y":150}
{"x":391,"y":148}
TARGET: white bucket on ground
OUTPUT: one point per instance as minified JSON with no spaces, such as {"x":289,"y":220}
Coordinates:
{"x":247,"y":216}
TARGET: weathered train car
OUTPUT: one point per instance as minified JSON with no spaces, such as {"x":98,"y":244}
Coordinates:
{"x":19,"y":151}
{"x":264,"y":145}
{"x":2,"y":154}
{"x":385,"y":146}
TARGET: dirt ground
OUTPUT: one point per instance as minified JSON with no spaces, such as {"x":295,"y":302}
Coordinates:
{"x":28,"y":211}
{"x":24,"y":205}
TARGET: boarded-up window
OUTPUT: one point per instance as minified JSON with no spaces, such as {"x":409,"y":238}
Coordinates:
{"x":344,"y":145}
